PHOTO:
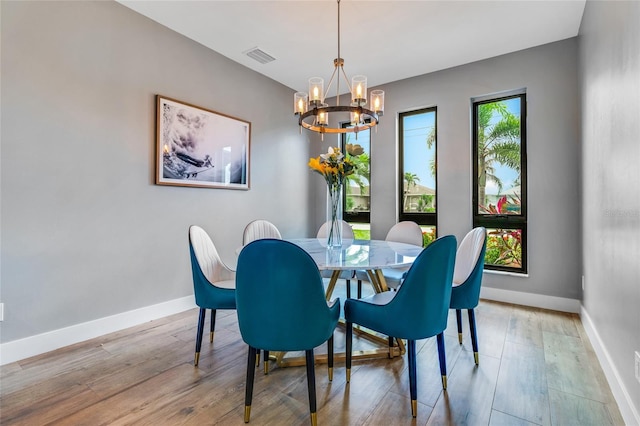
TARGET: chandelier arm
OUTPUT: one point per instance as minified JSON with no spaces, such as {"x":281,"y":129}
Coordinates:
{"x":346,"y":79}
{"x":326,"y":92}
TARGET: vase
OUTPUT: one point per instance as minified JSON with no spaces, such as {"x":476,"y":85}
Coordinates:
{"x":334,"y":216}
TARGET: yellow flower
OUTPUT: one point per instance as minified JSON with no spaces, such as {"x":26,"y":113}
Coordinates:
{"x":315,"y":164}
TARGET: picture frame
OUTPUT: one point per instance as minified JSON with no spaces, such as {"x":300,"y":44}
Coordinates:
{"x":199,"y":147}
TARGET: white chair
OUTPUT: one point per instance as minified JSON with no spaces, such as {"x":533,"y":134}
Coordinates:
{"x":407,"y":232}
{"x":347,"y":231}
{"x":259,"y":229}
{"x":347,"y":234}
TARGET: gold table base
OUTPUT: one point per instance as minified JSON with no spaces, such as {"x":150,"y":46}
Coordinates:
{"x":379,"y":285}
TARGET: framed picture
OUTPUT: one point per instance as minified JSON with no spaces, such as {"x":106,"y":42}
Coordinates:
{"x":201,"y":148}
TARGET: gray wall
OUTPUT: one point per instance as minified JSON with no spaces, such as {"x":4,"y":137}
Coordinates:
{"x":85,"y":231}
{"x":610,"y":81}
{"x":549,"y":74}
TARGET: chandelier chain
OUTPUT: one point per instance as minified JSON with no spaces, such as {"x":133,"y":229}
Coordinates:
{"x":313,"y":113}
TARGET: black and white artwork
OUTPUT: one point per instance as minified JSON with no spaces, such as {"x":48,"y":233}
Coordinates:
{"x":199,"y":147}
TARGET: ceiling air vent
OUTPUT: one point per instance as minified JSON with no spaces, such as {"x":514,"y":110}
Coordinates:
{"x":259,"y":55}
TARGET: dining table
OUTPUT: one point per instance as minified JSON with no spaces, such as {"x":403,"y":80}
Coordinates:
{"x":371,"y":256}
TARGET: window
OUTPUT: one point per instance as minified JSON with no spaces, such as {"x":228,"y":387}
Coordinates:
{"x":417,"y":155}
{"x":356,"y":200}
{"x":500,"y":180}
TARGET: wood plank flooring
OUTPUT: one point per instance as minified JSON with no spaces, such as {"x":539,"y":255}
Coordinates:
{"x":536,"y":368}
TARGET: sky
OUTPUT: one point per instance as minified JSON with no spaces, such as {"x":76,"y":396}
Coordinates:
{"x":417,"y":157}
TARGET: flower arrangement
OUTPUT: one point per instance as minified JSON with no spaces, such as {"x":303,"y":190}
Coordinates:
{"x":334,"y":166}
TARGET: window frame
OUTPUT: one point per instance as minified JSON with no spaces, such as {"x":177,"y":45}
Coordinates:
{"x":361,"y":216}
{"x":421,"y":218}
{"x":503,"y":221}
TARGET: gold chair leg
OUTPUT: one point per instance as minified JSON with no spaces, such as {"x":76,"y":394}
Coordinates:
{"x":257,"y":359}
{"x":414,"y":408}
{"x":211,"y":337}
{"x":330,"y":374}
{"x":247,"y":413}
{"x":196,"y":359}
{"x":444,"y":382}
{"x":314,"y":419}
{"x":348,"y":375}
{"x":460,"y":338}
{"x":266,"y":367}
{"x":476,"y":358}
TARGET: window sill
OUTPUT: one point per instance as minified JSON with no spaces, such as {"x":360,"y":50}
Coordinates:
{"x":509,"y":274}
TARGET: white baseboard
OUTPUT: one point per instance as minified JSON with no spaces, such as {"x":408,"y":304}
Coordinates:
{"x":629,"y":413}
{"x":554,"y":303}
{"x":45,"y":342}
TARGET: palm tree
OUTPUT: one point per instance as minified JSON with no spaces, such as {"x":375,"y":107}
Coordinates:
{"x":410,"y":179}
{"x":360,"y":177}
{"x":497,"y":143}
{"x":362,"y":171}
{"x":431,"y":139}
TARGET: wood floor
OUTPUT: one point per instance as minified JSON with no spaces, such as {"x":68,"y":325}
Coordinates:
{"x":536,"y":368}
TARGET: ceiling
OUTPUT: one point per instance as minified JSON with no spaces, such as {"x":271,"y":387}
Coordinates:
{"x":384,"y":40}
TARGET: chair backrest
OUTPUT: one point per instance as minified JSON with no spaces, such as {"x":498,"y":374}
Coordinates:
{"x":470,"y":252}
{"x":206,"y":255}
{"x":259,"y":229}
{"x":280,"y":297}
{"x":407,"y":232}
{"x":347,"y":231}
{"x":421,"y":305}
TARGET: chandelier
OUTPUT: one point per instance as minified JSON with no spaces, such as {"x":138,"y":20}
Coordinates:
{"x":313,"y":113}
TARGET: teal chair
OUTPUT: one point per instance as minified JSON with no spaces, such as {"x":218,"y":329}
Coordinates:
{"x":282,"y":307}
{"x":417,"y":310}
{"x":213,"y":282}
{"x":467,"y":279}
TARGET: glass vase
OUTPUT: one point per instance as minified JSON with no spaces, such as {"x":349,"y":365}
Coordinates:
{"x":334,"y":216}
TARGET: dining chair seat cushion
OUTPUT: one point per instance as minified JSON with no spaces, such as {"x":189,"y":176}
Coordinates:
{"x":393,"y":276}
{"x":344,"y":275}
{"x":228,"y":284}
{"x":379,"y":298}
